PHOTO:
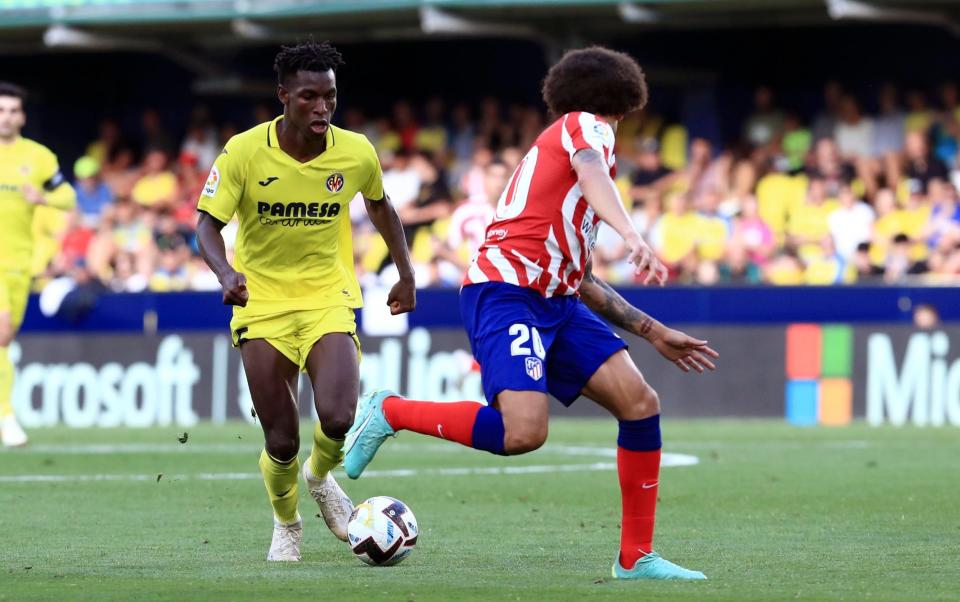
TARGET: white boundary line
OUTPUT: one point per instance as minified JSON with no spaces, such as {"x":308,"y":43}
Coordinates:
{"x":667,"y":460}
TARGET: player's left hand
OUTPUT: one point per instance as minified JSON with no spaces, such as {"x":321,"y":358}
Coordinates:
{"x":402,"y":297}
{"x":685,"y":351}
{"x":32,"y":195}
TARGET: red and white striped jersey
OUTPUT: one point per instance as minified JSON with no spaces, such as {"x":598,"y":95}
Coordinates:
{"x":544,"y":231}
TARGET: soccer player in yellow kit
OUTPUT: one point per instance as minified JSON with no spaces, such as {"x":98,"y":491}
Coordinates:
{"x":289,"y":182}
{"x":29,"y":178}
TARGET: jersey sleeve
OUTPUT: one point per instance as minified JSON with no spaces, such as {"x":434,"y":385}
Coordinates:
{"x":224,"y":187}
{"x":58,"y":193}
{"x":373,"y":188}
{"x":583,"y":131}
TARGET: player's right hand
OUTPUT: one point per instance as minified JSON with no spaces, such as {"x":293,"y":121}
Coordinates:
{"x":235,"y":289}
{"x":641,"y":255}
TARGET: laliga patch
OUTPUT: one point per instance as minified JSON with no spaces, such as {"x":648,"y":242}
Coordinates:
{"x":335,"y":182}
{"x":213,"y":182}
{"x":605,"y":132}
{"x":534,"y":367}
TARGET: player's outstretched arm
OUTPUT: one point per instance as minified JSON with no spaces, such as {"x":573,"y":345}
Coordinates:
{"x":683,"y":350}
{"x":403,"y":295}
{"x":214,"y":252}
{"x":601,"y":194}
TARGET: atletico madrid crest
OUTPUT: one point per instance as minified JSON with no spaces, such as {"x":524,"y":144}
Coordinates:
{"x":534,"y":368}
{"x":335,"y":182}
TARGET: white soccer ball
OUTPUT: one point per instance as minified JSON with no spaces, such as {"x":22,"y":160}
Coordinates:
{"x":382,"y":531}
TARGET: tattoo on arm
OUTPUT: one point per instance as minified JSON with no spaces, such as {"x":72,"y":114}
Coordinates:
{"x":587,"y":156}
{"x":603,"y":299}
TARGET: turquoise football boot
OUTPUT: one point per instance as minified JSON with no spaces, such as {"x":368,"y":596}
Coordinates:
{"x":370,"y":429}
{"x":652,"y":566}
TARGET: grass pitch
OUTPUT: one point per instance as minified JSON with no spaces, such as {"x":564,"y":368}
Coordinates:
{"x":769,"y":512}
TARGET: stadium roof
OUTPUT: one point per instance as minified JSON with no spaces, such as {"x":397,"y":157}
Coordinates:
{"x":209,"y":20}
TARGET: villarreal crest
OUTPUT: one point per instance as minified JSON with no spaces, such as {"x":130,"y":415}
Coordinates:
{"x":335,"y":182}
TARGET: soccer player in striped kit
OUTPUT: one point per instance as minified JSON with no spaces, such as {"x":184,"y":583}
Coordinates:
{"x":526,"y":303}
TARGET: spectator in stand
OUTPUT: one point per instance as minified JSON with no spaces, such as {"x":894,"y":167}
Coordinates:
{"x":124,"y":276}
{"x":157,"y":187}
{"x":784,"y":269}
{"x":431,"y":138}
{"x":854,"y":132}
{"x":190,"y":182}
{"x":890,"y":221}
{"x":919,"y":116}
{"x":888,"y":126}
{"x":751,"y":235}
{"x":743,"y":183}
{"x":765,"y":124}
{"x":826,"y":121}
{"x":739,"y":268}
{"x":170,"y":273}
{"x":473,"y":184}
{"x":944,"y":219}
{"x":155,"y":135}
{"x":93,"y":194}
{"x":899,"y":264}
{"x":850,"y":224}
{"x":401,"y":179}
{"x":947,"y":124}
{"x":829,"y":167}
{"x":867,"y":272}
{"x":107,"y":142}
{"x":888,"y":134}
{"x":75,"y":243}
{"x":201,"y":143}
{"x":795,"y":144}
{"x":122,"y":231}
{"x":808,"y":223}
{"x":714,"y":231}
{"x":921,"y":165}
{"x":672,"y":235}
{"x":828,"y":267}
{"x":405,"y":124}
{"x":469,"y":221}
{"x":462,"y":134}
{"x":121,"y":172}
{"x":650,"y":177}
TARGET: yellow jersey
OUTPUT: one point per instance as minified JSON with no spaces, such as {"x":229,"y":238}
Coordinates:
{"x":26,"y":162}
{"x":294,"y":242}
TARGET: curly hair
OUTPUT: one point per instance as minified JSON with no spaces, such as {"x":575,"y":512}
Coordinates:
{"x":8,"y":89}
{"x":306,"y":56}
{"x":596,"y":80}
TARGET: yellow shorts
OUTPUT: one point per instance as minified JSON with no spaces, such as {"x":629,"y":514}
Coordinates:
{"x":14,"y":293}
{"x":294,"y":333}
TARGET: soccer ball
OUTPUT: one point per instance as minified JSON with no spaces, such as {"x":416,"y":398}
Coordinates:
{"x":382,"y":531}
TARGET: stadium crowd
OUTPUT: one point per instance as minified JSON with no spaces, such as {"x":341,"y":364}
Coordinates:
{"x":841,"y":198}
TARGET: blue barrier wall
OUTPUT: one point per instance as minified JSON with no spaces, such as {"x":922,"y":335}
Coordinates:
{"x":439,"y":308}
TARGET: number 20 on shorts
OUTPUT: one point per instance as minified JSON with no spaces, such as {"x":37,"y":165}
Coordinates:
{"x":524,"y":334}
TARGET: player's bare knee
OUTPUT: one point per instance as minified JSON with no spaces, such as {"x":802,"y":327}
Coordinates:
{"x":6,"y":334}
{"x":524,"y":440}
{"x":647,"y":402}
{"x":282,"y":446}
{"x":335,"y":424}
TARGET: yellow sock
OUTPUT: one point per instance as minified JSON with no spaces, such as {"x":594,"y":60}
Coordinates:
{"x":326,"y":453}
{"x":6,"y":383}
{"x":281,"y":482}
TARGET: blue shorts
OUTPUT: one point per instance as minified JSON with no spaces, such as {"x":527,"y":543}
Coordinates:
{"x":525,"y":342}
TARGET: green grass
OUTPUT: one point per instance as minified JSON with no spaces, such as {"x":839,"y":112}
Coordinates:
{"x":770,"y":512}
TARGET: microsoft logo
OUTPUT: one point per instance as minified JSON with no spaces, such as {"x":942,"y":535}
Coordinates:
{"x":819,"y":368}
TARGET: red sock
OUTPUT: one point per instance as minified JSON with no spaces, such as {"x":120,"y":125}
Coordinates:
{"x":639,"y":479}
{"x":468,"y":423}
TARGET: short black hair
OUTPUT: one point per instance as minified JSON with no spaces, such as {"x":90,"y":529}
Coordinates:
{"x":306,"y":56}
{"x":596,"y":80}
{"x":8,"y":89}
